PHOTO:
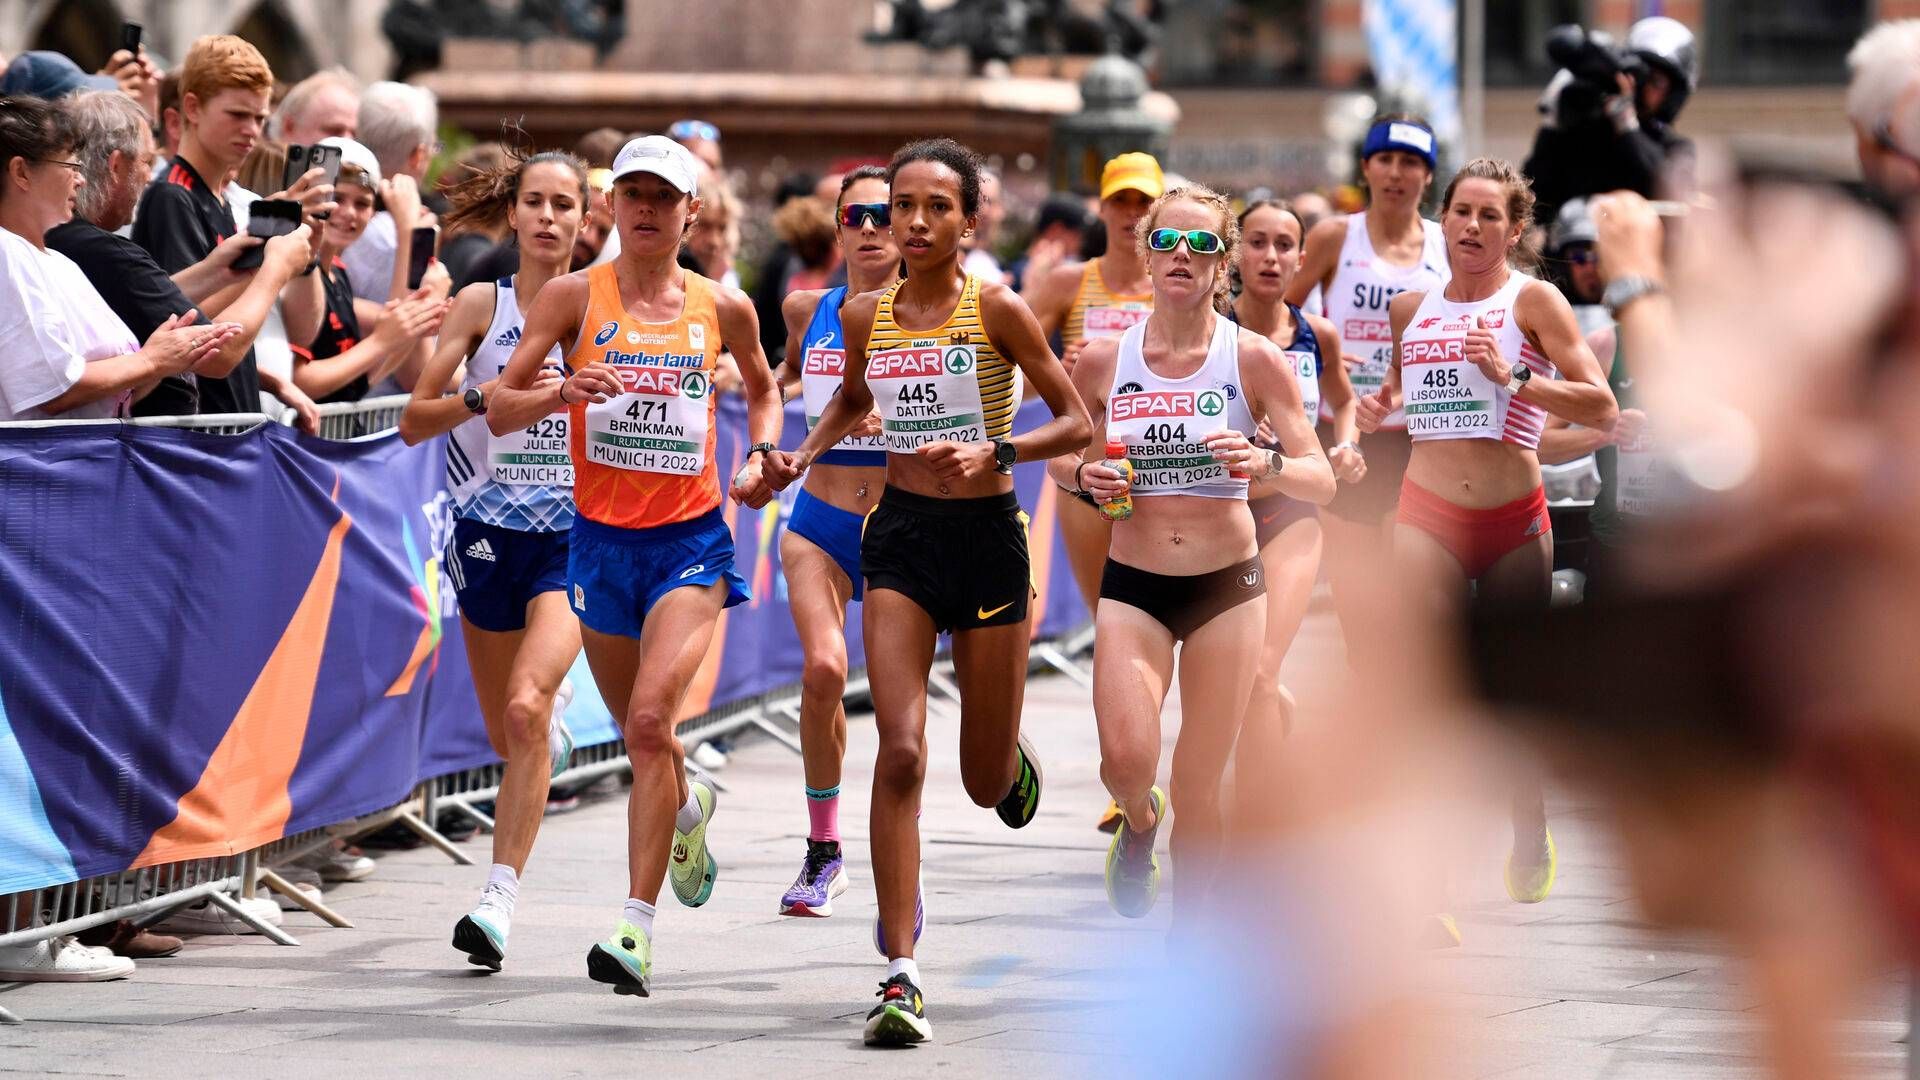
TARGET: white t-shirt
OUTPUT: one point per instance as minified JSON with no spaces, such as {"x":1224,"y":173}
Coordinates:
{"x":370,"y":259}
{"x":980,"y":263}
{"x":52,"y":324}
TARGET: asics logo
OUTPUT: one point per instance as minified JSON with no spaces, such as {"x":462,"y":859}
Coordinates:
{"x":692,"y":570}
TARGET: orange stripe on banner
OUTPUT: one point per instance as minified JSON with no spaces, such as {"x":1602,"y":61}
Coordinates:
{"x":241,"y":800}
{"x":1040,"y":551}
{"x":423,"y":648}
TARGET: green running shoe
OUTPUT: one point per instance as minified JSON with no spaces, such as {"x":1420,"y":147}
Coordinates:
{"x":901,"y":1017}
{"x":1133,"y":869}
{"x":691,"y":869}
{"x":624,"y":960}
{"x":1023,"y":799}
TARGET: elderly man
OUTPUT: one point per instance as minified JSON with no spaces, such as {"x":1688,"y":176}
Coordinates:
{"x":116,"y":154}
{"x":326,"y":105}
{"x":397,"y":122}
{"x":1884,"y":108}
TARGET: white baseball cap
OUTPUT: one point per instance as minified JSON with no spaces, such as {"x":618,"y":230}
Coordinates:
{"x":662,"y":157}
{"x":355,"y":153}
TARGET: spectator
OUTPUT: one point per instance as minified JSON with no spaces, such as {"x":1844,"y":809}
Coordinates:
{"x":168,"y":131}
{"x":116,"y":149}
{"x":397,"y":123}
{"x":1056,"y":235}
{"x":224,"y":87}
{"x":1885,"y":113}
{"x":63,"y":352}
{"x":702,"y":139}
{"x":318,"y":107}
{"x":1311,"y":208}
{"x":1624,"y":140}
{"x":49,"y":76}
{"x":1570,"y":251}
{"x":770,"y":283}
{"x":805,"y":226}
{"x":715,"y":238}
{"x":598,"y":147}
{"x":343,"y":363}
{"x":981,"y":262}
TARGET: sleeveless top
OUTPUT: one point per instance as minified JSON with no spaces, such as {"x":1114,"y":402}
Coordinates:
{"x":646,"y":457}
{"x":1446,"y":395}
{"x":944,"y":384}
{"x":1164,"y":422}
{"x":1304,"y":359}
{"x":1097,"y":312}
{"x":522,"y":480}
{"x":823,"y":351}
{"x":1363,"y":286}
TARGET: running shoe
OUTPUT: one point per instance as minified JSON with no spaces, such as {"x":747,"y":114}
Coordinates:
{"x":1530,"y":872}
{"x":1440,"y":932}
{"x":693,"y":869}
{"x":901,"y":1017}
{"x":919,"y":922}
{"x":823,"y":876}
{"x":624,"y":960}
{"x":1133,"y":870}
{"x":1023,"y":799}
{"x":1110,"y":819}
{"x":559,"y":746}
{"x":482,"y":933}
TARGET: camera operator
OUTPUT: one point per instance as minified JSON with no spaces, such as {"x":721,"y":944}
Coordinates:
{"x":1608,"y":114}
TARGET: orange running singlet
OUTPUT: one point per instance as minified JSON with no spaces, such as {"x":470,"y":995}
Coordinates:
{"x":645,"y":458}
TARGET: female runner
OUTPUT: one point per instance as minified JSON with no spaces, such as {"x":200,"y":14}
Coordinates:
{"x":513,"y":501}
{"x":1477,"y":360}
{"x":1287,"y":529}
{"x":820,"y":549}
{"x":650,"y":562}
{"x":1185,"y":390}
{"x":946,"y":548}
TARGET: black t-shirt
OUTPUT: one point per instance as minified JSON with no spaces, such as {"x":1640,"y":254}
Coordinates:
{"x":138,"y":291}
{"x":179,"y":222}
{"x":340,"y":330}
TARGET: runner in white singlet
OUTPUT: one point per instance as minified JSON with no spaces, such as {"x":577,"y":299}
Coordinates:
{"x":513,"y":501}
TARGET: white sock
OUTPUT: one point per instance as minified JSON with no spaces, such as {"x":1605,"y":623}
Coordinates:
{"x":640,"y":914}
{"x":505,"y":885}
{"x":904,"y":966}
{"x":688,"y":819}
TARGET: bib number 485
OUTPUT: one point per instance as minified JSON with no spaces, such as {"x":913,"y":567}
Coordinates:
{"x":1442,"y":378}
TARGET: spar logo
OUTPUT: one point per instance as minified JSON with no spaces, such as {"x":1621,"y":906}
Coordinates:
{"x":825,"y":362}
{"x":1432,"y":352}
{"x":1160,"y":403}
{"x":959,"y":360}
{"x":606,"y":333}
{"x":660,"y":382}
{"x":694,"y":385}
{"x":1366,"y":330}
{"x":923,"y":363}
{"x":1212,"y":403}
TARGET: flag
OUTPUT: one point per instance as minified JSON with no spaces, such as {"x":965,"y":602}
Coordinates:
{"x":1414,"y":48}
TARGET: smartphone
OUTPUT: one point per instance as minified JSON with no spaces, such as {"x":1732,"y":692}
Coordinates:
{"x":268,"y":218}
{"x":130,"y":38}
{"x":425,"y":239}
{"x":296,"y":165}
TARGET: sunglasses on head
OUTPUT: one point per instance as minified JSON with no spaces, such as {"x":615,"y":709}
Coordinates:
{"x":694,"y":129}
{"x":1199,"y":241}
{"x":854,"y":214}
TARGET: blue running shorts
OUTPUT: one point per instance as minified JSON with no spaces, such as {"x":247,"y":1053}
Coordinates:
{"x":616,"y":575}
{"x":832,"y":530}
{"x":496,"y":572}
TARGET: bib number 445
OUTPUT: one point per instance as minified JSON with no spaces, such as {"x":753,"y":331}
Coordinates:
{"x":920,"y":393}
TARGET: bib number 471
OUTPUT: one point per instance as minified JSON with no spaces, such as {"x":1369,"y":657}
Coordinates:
{"x":644,"y":411}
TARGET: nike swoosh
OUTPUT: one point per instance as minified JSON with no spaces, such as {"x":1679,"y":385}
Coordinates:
{"x":1267,"y":519}
{"x":983,"y":614}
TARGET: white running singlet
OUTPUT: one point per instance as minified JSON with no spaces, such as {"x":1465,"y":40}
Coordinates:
{"x":1446,"y":395}
{"x":522,"y":480}
{"x":1165,"y":422}
{"x":1363,"y":286}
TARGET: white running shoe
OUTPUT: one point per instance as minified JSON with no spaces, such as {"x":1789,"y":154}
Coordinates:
{"x":482,"y":934}
{"x":709,"y":757}
{"x":60,"y":959}
{"x":205,"y":918}
{"x":337,"y":864}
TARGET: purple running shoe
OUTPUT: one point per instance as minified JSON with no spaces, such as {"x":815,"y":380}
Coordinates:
{"x":823,"y":876}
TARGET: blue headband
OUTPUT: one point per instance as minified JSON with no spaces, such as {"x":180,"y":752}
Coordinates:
{"x":1415,"y":139}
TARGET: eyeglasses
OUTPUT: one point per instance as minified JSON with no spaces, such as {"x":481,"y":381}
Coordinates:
{"x":694,"y":129}
{"x":854,"y":214}
{"x":1199,"y":241}
{"x":74,"y":165}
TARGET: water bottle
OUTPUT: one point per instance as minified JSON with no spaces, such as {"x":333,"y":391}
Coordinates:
{"x":1121,"y":508}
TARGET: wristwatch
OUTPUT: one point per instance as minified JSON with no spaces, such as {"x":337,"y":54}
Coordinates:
{"x":761,"y":448}
{"x":1521,"y":375}
{"x":1274,"y":464}
{"x":475,"y":400}
{"x":1624,"y":291}
{"x":1004,"y":454}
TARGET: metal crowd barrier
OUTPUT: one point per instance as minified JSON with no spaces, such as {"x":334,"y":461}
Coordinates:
{"x":345,"y":420}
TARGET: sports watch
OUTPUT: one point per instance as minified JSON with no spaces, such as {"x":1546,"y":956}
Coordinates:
{"x":1522,"y":374}
{"x":1624,"y":291}
{"x":1004,"y":453}
{"x":475,"y":400}
{"x":761,"y":448}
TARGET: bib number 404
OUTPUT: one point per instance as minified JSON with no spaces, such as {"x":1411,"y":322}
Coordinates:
{"x":1166,"y":433}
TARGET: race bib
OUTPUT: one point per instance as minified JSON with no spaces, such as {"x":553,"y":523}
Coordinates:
{"x":1372,"y":341}
{"x":1101,"y":322}
{"x":821,"y":373}
{"x":659,"y":425}
{"x":1639,"y":474}
{"x":1446,"y":395}
{"x":926,"y":392}
{"x":1307,"y":371}
{"x":1165,"y":432}
{"x":534,"y":456}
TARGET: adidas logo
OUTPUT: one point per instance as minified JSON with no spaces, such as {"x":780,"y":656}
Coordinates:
{"x":480,"y":549}
{"x":509,"y":339}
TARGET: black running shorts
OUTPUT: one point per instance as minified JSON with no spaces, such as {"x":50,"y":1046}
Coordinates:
{"x":964,"y":561}
{"x":1184,"y":604}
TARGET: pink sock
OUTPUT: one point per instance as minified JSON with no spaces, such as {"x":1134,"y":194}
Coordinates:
{"x":823,"y":814}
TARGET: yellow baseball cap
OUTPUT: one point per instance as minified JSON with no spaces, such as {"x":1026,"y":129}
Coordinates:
{"x":1133,"y":172}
